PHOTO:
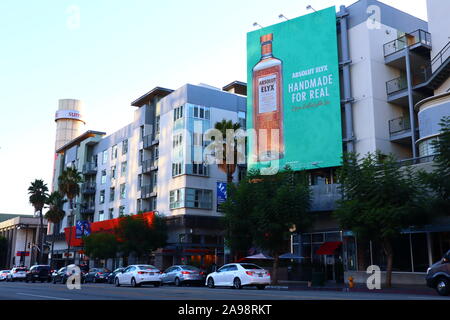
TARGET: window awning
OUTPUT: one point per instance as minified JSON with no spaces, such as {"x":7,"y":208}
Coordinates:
{"x":328,"y":248}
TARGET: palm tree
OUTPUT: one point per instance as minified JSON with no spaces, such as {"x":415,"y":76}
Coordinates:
{"x":228,"y":168}
{"x":38,"y":192}
{"x":69,"y":186}
{"x":55,"y":214}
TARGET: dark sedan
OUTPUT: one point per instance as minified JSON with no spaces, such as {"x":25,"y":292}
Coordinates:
{"x":40,"y":273}
{"x":62,"y":275}
{"x":97,"y":275}
{"x":113,"y":274}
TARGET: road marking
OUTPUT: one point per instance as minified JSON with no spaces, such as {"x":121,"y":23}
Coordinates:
{"x":35,"y":295}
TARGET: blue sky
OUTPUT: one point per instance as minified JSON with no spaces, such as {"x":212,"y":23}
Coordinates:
{"x":117,"y":52}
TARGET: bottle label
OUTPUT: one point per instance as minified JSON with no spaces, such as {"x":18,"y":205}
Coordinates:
{"x":267,"y":93}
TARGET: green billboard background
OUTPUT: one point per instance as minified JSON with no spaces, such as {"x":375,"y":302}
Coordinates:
{"x":311,"y":123}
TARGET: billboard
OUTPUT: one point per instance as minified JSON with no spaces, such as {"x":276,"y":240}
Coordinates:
{"x":293,"y":99}
{"x":221,"y":194}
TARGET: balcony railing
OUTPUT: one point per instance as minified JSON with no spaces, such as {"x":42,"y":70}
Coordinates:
{"x":150,"y":140}
{"x":90,"y":168}
{"x":148,"y":191}
{"x":88,"y":188}
{"x":398,"y":125}
{"x":87,"y":207}
{"x":149,"y":165}
{"x":409,"y":39}
{"x":396,"y":85}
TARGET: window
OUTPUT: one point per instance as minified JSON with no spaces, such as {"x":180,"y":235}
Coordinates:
{"x":105,"y":157}
{"x":113,"y":172}
{"x":197,"y":139}
{"x":142,"y":133}
{"x":111,"y":213}
{"x":123,"y":191}
{"x":156,"y":153}
{"x":156,"y":125}
{"x":112,"y":192}
{"x":101,"y":215}
{"x":125,"y":146}
{"x":177,"y":113}
{"x":177,"y":169}
{"x":139,"y":181}
{"x":199,"y":169}
{"x":102,"y":196}
{"x":198,"y":198}
{"x":201,"y":112}
{"x":176,"y":199}
{"x":177,"y":140}
{"x":121,"y":210}
{"x":123,"y":170}
{"x":141,"y":157}
{"x":103,"y":178}
{"x":153,"y":203}
{"x":114,"y":152}
{"x":242,"y":119}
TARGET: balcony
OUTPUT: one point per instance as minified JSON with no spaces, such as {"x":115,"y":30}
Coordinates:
{"x":149,"y":165}
{"x":418,"y":41}
{"x":150,"y":140}
{"x":87,"y":208}
{"x":88,"y":188}
{"x":397,"y":89}
{"x":324,"y":197}
{"x":90,"y":168}
{"x":148,"y":191}
{"x":400,"y":130}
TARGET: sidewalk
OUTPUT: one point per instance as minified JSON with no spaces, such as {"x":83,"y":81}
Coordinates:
{"x":331,"y":286}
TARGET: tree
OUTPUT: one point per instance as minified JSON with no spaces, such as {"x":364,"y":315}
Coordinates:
{"x":3,"y":251}
{"x":228,"y":168}
{"x":264,"y":209}
{"x":438,"y":181}
{"x":38,"y":192}
{"x":136,"y":235}
{"x":55,"y":213}
{"x":101,"y":245}
{"x":69,"y":185}
{"x":380,"y":198}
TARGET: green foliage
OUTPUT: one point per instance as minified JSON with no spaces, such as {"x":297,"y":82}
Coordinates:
{"x":380,"y":198}
{"x":139,"y":237}
{"x":101,"y":245}
{"x":262,"y":209}
{"x":55,"y":214}
{"x":68,"y":183}
{"x":438,"y":181}
{"x":38,"y":192}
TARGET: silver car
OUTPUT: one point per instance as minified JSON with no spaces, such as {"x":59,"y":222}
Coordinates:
{"x":182,"y":274}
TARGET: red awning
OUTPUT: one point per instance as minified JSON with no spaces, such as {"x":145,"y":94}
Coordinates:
{"x":328,"y":248}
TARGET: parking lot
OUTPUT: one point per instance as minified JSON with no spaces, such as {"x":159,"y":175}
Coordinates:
{"x":104,"y":291}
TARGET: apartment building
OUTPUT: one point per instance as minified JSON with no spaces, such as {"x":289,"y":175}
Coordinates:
{"x":156,"y":163}
{"x":394,"y":91}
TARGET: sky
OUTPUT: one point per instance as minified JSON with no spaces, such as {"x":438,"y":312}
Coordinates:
{"x":107,"y":53}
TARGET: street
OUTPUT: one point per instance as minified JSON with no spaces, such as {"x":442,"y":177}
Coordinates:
{"x":103,"y":291}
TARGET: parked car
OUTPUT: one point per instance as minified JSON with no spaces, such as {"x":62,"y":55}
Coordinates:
{"x":62,"y":275}
{"x":113,"y":274}
{"x":183,"y":274}
{"x":97,"y":275}
{"x":438,"y":275}
{"x":238,"y":275}
{"x":39,"y":272}
{"x":3,"y":274}
{"x":17,"y":274}
{"x":137,"y":275}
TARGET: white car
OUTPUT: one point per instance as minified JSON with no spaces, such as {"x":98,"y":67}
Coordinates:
{"x":3,"y":274}
{"x":237,"y":275}
{"x":17,"y":273}
{"x":137,"y":275}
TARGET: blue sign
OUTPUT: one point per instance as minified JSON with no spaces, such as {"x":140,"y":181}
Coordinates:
{"x":221,"y":193}
{"x":83,"y":229}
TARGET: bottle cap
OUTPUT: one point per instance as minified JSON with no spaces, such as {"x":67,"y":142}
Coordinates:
{"x":266,"y":38}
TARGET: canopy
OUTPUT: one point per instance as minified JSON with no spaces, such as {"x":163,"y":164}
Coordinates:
{"x":328,"y":248}
{"x":290,"y":256}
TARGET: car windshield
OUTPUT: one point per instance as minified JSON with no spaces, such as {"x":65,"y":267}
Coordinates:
{"x":250,"y":266}
{"x":191,"y":268}
{"x":146,"y":267}
{"x":118,"y":270}
{"x":102,"y":270}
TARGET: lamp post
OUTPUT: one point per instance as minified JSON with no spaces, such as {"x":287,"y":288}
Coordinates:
{"x":282,"y":16}
{"x":256,"y":24}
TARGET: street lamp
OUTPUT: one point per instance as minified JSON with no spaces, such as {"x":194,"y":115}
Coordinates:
{"x":256,"y":24}
{"x":282,"y":16}
{"x":309,"y":7}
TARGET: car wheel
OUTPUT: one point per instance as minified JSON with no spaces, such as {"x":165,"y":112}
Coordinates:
{"x":178,"y":282}
{"x":133,"y":283}
{"x":116,"y":282}
{"x":94,"y":280}
{"x":211,"y":283}
{"x":237,"y":283}
{"x":260,"y":287}
{"x":54,"y":281}
{"x":157,"y":284}
{"x":443,"y":286}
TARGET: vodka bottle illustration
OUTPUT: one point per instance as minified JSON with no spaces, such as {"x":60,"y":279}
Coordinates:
{"x":268,"y":102}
